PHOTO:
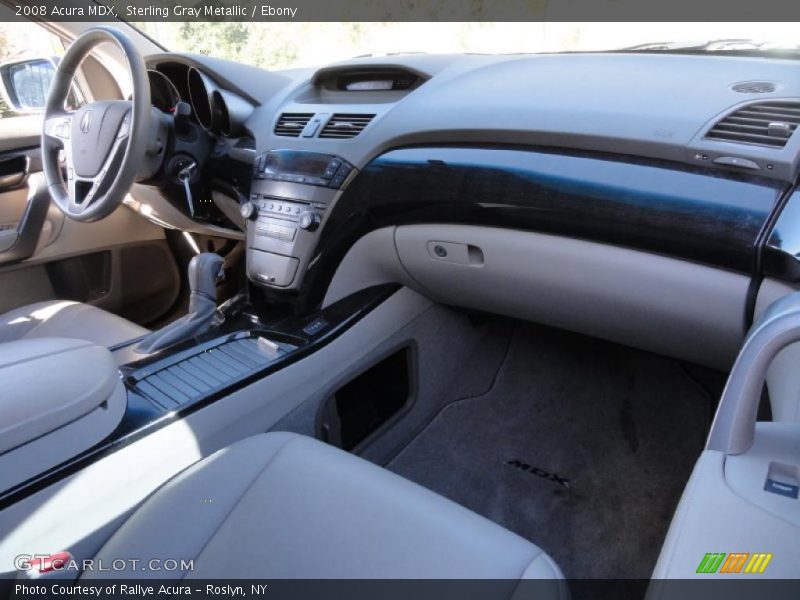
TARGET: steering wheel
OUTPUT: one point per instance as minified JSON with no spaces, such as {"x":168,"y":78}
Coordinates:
{"x":103,"y":142}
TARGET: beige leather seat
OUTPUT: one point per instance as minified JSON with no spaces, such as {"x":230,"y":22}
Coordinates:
{"x":62,"y":318}
{"x":282,"y":505}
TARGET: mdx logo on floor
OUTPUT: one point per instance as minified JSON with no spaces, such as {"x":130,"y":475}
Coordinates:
{"x":518,"y":464}
{"x":735,"y":562}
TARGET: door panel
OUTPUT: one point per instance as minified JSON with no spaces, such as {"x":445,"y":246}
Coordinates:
{"x":14,"y":171}
{"x":122,"y":264}
{"x":23,"y":205}
{"x":12,"y":206}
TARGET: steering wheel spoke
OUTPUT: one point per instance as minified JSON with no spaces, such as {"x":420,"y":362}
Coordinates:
{"x":75,"y":204}
{"x":58,"y":127}
{"x":80,"y":193}
{"x":124,"y":129}
{"x":83,"y":191}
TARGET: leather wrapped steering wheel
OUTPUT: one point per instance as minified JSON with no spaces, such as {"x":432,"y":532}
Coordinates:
{"x":103,"y":142}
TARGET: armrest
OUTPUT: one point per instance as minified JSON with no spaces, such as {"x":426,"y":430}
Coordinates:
{"x":48,"y":383}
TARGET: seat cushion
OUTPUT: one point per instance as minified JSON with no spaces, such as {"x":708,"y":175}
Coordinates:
{"x":281,"y":505}
{"x":65,"y":319}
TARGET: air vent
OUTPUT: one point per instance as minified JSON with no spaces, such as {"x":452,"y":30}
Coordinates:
{"x":292,"y":124}
{"x":754,"y":87}
{"x":763,"y":124}
{"x":345,"y":126}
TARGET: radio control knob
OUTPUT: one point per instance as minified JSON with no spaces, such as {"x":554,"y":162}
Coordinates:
{"x":308,"y":220}
{"x":248,"y":210}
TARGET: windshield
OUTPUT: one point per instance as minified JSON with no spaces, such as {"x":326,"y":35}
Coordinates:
{"x":287,"y":45}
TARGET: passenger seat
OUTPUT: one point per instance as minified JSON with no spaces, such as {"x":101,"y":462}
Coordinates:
{"x":286,"y":506}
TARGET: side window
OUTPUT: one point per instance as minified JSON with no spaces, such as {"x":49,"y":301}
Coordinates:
{"x":28,"y":57}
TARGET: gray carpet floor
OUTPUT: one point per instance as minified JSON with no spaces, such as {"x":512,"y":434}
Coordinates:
{"x":580,"y":445}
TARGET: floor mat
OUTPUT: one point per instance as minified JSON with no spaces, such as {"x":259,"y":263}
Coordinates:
{"x":581,"y":446}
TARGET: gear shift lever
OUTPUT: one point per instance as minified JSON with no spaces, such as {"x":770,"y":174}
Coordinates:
{"x":204,"y":272}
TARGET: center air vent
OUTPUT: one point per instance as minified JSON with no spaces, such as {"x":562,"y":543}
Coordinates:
{"x":754,"y":87}
{"x":762,"y":124}
{"x":292,"y":124}
{"x":345,"y":126}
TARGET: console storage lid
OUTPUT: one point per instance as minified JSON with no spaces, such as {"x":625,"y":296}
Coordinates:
{"x":59,"y":397}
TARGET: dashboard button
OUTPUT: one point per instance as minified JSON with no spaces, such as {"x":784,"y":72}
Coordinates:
{"x":315,"y":326}
{"x":280,"y":232}
{"x":735,"y":161}
{"x":337,"y":181}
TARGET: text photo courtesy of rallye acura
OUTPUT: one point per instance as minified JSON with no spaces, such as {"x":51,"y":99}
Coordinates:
{"x":140,"y":590}
{"x":490,"y":306}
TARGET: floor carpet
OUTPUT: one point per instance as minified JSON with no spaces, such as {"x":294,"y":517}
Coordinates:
{"x":581,"y":446}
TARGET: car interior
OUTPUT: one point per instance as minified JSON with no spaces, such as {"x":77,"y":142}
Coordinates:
{"x":419,"y":316}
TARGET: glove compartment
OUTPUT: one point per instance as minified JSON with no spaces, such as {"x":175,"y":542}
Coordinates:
{"x":656,"y":303}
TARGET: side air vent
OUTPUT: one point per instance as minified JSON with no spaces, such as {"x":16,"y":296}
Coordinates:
{"x":292,"y":124}
{"x":768,"y":124}
{"x":345,"y":126}
{"x":754,"y":87}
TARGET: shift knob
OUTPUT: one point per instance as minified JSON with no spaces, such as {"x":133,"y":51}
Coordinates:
{"x":204,"y":271}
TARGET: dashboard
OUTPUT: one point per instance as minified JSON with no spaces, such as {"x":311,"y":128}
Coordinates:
{"x":690,"y":156}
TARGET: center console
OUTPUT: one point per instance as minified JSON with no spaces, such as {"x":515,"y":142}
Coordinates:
{"x":92,"y":412}
{"x":291,"y":195}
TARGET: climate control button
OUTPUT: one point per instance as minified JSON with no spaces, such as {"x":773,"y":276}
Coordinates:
{"x":308,"y":220}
